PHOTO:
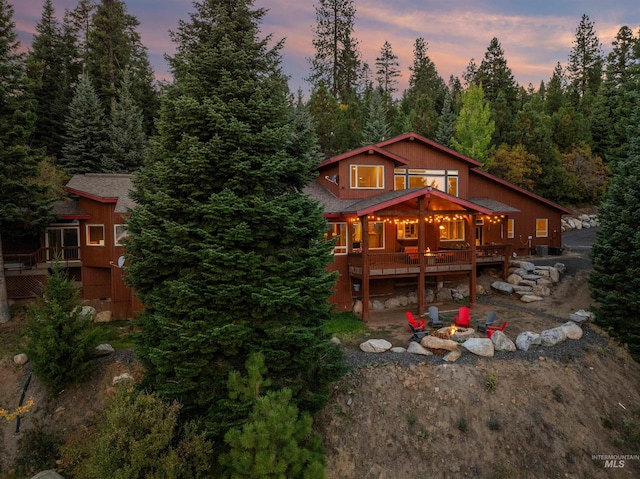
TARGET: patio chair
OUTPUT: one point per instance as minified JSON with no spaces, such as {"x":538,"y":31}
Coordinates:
{"x":417,"y":335}
{"x":483,"y":324}
{"x":434,"y":317}
{"x":415,"y":323}
{"x":462,"y":318}
{"x":493,"y":329}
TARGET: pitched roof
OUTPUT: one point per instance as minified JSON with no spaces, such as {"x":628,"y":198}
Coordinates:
{"x":68,"y":209}
{"x":104,"y":188}
{"x":432,"y":144}
{"x":494,"y":205}
{"x":522,"y":191}
{"x":369,"y":149}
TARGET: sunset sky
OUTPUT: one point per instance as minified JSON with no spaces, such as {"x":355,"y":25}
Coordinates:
{"x":534,"y":35}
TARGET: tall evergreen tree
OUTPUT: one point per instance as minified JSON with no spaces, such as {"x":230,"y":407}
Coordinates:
{"x":615,"y":279}
{"x":474,"y":127}
{"x":446,"y":123}
{"x":22,"y":200}
{"x":585,"y":61}
{"x":387,"y":69}
{"x":500,"y":90}
{"x":555,"y":91}
{"x":53,"y":70}
{"x":424,"y":99}
{"x":376,"y":128}
{"x":79,"y":21}
{"x":226,"y":252}
{"x":85,"y":127}
{"x":337,"y":58}
{"x":126,"y":138}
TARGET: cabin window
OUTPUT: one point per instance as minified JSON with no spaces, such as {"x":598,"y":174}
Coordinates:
{"x":442,"y":180}
{"x":62,"y":243}
{"x":452,"y":230}
{"x":407,"y":231}
{"x":511,"y":226}
{"x":338,"y":231}
{"x":120,"y":234}
{"x":542,"y":227}
{"x":376,"y":235}
{"x":95,"y":235}
{"x":367,"y":177}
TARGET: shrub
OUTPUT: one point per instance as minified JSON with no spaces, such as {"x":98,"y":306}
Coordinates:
{"x":38,"y":449}
{"x":139,"y":437}
{"x":60,"y":336}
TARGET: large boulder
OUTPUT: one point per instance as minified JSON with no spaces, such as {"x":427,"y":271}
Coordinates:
{"x":526,"y":339}
{"x":432,"y":342}
{"x":479,"y":346}
{"x":551,"y":337}
{"x":415,"y":348}
{"x":502,"y":287}
{"x":501,"y":342}
{"x":376,"y":346}
{"x":572,"y":330}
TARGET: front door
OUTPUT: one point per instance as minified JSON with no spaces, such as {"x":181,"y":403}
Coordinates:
{"x":62,"y":243}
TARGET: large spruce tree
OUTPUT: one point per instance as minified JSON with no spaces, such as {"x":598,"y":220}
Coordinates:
{"x":615,"y":279}
{"x":23,"y":201}
{"x":226,"y":253}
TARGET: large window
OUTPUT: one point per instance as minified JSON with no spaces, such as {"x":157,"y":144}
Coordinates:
{"x":511,"y":225}
{"x":376,"y":235}
{"x":367,"y":176}
{"x":407,"y":230}
{"x":338,"y":231}
{"x":542,"y":227}
{"x":452,"y":230}
{"x":443,"y":180}
{"x":95,"y":235}
{"x":62,"y":242}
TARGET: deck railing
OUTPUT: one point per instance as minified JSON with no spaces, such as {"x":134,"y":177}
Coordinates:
{"x":20,"y":261}
{"x":409,"y":262}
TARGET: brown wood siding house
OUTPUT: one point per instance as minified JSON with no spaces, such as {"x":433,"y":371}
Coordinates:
{"x":408,"y":210}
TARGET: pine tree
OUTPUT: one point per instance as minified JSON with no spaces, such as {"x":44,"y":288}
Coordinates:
{"x":376,"y":127}
{"x":446,"y":123}
{"x":60,"y":336}
{"x":387,"y":69}
{"x":225,"y":251}
{"x":585,"y":61}
{"x":127,"y":141}
{"x":615,"y":255}
{"x":276,"y":441}
{"x":555,"y":92}
{"x":337,"y":59}
{"x":424,"y":99}
{"x":52,"y":69}
{"x":474,"y":127}
{"x":22,"y":200}
{"x":85,"y":136}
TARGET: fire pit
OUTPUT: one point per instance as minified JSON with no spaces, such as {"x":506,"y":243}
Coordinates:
{"x":456,"y":332}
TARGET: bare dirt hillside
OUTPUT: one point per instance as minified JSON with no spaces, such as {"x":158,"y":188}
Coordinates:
{"x":543,"y":415}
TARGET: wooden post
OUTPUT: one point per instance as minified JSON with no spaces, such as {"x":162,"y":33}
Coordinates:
{"x":364,"y":221}
{"x":472,"y":278}
{"x":421,"y":253}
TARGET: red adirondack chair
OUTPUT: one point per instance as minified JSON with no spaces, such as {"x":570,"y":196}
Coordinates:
{"x":417,"y":324}
{"x":493,"y":329}
{"x":463,"y":317}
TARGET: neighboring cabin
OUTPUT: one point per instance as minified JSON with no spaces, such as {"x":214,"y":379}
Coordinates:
{"x":404,"y":212}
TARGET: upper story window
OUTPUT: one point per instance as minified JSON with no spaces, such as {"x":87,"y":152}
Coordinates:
{"x":95,"y":235}
{"x":119,"y":234}
{"x":542,"y":227}
{"x":367,"y":177}
{"x":443,"y":180}
{"x":339,"y":231}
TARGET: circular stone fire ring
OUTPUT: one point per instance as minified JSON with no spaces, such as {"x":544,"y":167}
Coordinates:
{"x":460,"y":334}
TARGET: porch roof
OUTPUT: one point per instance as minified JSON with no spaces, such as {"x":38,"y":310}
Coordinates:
{"x":495,"y":206}
{"x":334,"y":206}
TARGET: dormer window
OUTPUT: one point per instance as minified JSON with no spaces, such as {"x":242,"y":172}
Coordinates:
{"x":367,"y":177}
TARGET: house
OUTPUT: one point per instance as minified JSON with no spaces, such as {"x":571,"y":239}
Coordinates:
{"x":408,"y":210}
{"x":86,"y":239}
{"x":403,"y":213}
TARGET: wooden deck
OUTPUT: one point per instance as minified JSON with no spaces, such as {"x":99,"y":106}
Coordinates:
{"x":43,"y":258}
{"x":435,"y":262}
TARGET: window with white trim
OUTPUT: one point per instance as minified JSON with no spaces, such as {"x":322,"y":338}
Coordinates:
{"x":376,"y":235}
{"x":452,"y":230}
{"x":542,"y":227}
{"x":338,"y":231}
{"x":511,"y":227}
{"x":119,"y":234}
{"x":367,"y":177}
{"x":95,"y":235}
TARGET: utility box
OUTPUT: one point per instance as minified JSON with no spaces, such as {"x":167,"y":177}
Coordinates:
{"x":542,"y":250}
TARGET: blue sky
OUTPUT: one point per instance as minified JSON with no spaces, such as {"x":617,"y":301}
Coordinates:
{"x":534,"y":35}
